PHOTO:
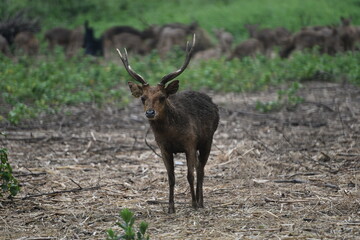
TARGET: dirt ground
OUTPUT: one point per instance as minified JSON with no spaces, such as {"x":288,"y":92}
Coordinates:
{"x":293,"y":174}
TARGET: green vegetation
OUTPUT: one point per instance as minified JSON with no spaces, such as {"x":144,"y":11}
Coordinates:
{"x":231,"y":14}
{"x":127,"y":225}
{"x":30,"y":86}
{"x":286,"y":98}
{"x":47,"y":83}
{"x":8,"y":181}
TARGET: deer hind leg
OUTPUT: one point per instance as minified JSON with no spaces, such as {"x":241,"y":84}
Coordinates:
{"x":191,"y":162}
{"x":203,"y":157}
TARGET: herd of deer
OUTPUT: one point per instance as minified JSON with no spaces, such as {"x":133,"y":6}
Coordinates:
{"x":328,"y":39}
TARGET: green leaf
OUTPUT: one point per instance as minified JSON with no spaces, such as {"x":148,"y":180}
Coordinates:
{"x":126,"y":215}
{"x":143,"y":227}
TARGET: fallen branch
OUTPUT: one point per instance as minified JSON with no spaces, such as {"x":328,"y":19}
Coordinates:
{"x":303,"y":174}
{"x":155,"y":202}
{"x":36,"y":238}
{"x":296,"y":181}
{"x":319,"y":104}
{"x":329,"y":185}
{"x":29,"y":174}
{"x":291,"y":181}
{"x":61,"y":192}
{"x":147,"y":144}
{"x":290,"y":200}
{"x":348,"y":154}
{"x":34,"y":139}
{"x":259,"y":230}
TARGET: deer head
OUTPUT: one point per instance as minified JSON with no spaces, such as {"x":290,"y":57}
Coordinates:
{"x":155,"y":98}
{"x":345,"y":21}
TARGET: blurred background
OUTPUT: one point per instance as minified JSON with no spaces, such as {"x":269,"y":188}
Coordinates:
{"x":62,"y":52}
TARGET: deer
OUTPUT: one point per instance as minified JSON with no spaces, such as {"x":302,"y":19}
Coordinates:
{"x":347,"y":34}
{"x":268,"y":37}
{"x":58,"y":36}
{"x":26,"y":43}
{"x":125,"y":36}
{"x":248,"y":48}
{"x":182,"y":122}
{"x":4,"y":47}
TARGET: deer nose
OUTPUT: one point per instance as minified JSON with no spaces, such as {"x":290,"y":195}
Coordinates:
{"x":150,"y":113}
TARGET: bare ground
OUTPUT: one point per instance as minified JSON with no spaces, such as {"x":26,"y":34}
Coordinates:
{"x":293,"y":174}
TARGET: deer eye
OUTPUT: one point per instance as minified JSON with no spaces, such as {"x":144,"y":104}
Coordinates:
{"x":143,"y":99}
{"x":162,"y":98}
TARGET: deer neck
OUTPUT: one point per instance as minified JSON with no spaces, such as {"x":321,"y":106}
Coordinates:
{"x":170,"y":120}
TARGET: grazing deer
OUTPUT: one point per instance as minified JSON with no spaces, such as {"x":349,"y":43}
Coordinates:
{"x":58,"y":37}
{"x":324,"y":37}
{"x":182,"y":122}
{"x":26,"y":43}
{"x":4,"y":47}
{"x":268,"y":37}
{"x":248,"y":48}
{"x":126,"y":37}
{"x":76,"y":42}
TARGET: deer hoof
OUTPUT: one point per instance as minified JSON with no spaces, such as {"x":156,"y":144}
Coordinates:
{"x":171,"y":210}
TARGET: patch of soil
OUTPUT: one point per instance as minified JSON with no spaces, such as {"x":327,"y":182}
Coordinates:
{"x":293,"y":174}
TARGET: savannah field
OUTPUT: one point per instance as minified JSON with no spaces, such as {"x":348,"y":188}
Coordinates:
{"x":285,"y":160}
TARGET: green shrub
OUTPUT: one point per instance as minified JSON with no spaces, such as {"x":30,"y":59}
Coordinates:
{"x":8,"y":181}
{"x":287,"y":97}
{"x":127,"y":226}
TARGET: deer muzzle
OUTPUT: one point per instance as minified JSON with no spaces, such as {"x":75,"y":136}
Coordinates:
{"x":150,"y":113}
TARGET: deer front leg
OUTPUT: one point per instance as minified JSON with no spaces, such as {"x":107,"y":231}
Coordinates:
{"x":168,"y":159}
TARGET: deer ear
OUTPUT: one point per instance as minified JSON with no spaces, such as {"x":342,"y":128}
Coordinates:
{"x":136,"y":90}
{"x":172,"y":87}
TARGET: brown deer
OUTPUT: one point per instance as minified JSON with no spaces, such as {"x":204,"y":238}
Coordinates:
{"x":268,"y":37}
{"x":76,"y":42}
{"x":182,"y":122}
{"x":347,"y":34}
{"x":4,"y":47}
{"x":225,"y":39}
{"x":248,"y":48}
{"x":58,"y":36}
{"x":134,"y":40}
{"x":26,"y":43}
{"x":325,"y":38}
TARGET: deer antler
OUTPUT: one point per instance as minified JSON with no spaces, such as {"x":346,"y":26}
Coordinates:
{"x":132,"y":73}
{"x":173,"y":75}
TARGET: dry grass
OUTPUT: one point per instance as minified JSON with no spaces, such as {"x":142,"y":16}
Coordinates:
{"x":294,"y":174}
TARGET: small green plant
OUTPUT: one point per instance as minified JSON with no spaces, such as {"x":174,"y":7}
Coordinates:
{"x":127,"y":225}
{"x":286,"y":97}
{"x":8,"y":181}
